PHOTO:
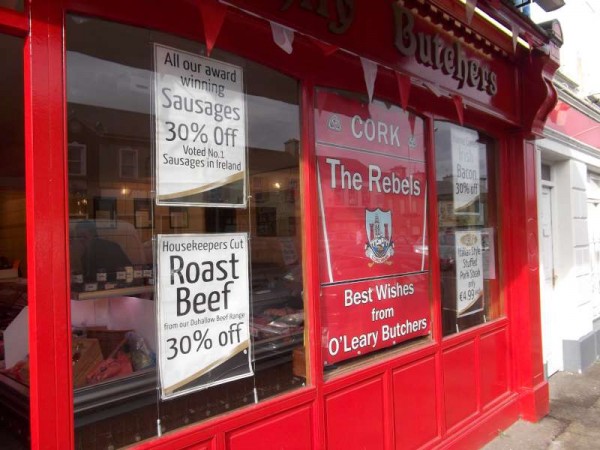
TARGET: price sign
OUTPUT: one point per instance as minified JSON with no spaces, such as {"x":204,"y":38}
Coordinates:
{"x":465,"y":171}
{"x":200,"y":130}
{"x":469,"y":273}
{"x":203,"y":311}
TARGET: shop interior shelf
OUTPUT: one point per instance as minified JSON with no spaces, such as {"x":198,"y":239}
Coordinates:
{"x":276,"y":346}
{"x":96,"y":402}
{"x":136,"y":291}
{"x":121,"y":395}
{"x":274,"y":351}
{"x":14,"y":396}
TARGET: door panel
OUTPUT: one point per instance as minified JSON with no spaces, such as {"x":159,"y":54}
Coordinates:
{"x":594,"y":233}
{"x":550,"y":333}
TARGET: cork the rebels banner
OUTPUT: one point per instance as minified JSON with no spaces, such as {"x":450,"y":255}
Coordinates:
{"x":373,"y":242}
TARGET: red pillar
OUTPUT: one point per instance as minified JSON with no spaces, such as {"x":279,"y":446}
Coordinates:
{"x":522,"y":294}
{"x":51,"y":390}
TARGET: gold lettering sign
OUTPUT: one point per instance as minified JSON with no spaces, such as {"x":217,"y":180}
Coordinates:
{"x":428,"y":50}
{"x":434,"y":52}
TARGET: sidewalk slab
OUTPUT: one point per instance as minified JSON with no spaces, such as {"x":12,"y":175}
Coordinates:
{"x":573,"y":422}
{"x":531,"y":436}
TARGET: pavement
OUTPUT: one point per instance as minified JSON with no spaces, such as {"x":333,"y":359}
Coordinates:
{"x":573,"y":422}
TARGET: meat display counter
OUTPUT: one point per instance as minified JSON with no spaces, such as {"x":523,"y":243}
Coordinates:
{"x":276,"y":330}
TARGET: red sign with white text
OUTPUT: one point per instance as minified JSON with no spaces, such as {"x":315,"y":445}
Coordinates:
{"x":372,"y":188}
{"x":365,"y":316}
{"x":373,"y":200}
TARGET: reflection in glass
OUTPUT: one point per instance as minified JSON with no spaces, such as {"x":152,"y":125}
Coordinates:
{"x":467,"y":219}
{"x":14,"y":329}
{"x":110,"y":134}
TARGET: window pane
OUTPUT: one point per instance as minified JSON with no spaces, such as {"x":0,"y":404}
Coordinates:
{"x":468,"y":227}
{"x":115,"y":221}
{"x":14,"y":325}
{"x":546,"y":172}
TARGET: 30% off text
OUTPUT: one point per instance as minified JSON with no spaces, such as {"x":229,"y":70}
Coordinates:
{"x":199,"y":340}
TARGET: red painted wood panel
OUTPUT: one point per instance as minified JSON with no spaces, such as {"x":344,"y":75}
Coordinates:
{"x":460,"y":383}
{"x":493,"y":350}
{"x":415,"y":417}
{"x":484,"y":428}
{"x":288,"y":431}
{"x":522,"y":275}
{"x":200,"y":446}
{"x":188,"y":441}
{"x":51,"y":401}
{"x":355,"y":417}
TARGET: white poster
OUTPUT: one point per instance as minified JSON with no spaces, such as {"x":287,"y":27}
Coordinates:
{"x":465,"y":171}
{"x":469,"y":273}
{"x":203,"y":311}
{"x":200,"y":130}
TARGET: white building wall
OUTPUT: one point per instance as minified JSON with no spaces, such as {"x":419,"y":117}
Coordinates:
{"x":579,"y":60}
{"x":576,"y":293}
{"x":570,"y":329}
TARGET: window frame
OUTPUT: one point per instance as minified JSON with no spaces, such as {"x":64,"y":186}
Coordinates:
{"x":494,"y":222}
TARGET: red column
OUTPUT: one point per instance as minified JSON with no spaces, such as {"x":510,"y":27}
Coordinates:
{"x":47,"y":235}
{"x":522,"y":289}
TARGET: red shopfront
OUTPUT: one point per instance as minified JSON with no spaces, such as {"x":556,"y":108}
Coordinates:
{"x":357,"y":266}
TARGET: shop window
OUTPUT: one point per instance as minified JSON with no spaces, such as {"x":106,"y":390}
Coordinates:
{"x":466,"y":181}
{"x":14,"y":324}
{"x":123,"y":241}
{"x":374,"y":254}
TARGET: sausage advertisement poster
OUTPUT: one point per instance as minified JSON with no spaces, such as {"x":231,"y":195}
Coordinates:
{"x":200,"y":130}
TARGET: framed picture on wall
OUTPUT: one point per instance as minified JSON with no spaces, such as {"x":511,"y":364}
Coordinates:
{"x":178,"y":217}
{"x":142,"y":211}
{"x":105,"y":212}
